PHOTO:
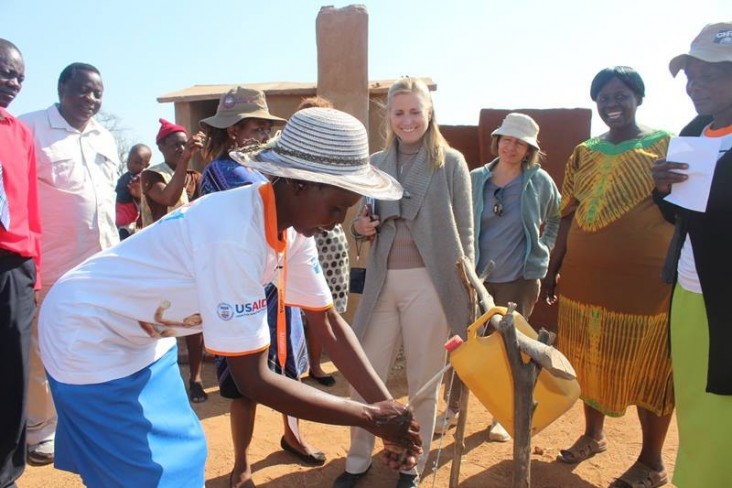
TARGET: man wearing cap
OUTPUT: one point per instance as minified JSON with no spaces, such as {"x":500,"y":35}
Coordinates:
{"x":20,"y":252}
{"x":698,"y":263}
{"x":125,"y":421}
{"x":78,"y":166}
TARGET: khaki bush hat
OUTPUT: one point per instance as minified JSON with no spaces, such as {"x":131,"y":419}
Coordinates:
{"x":520,"y":126}
{"x":713,"y":45}
{"x":327,"y":146}
{"x":237,"y":104}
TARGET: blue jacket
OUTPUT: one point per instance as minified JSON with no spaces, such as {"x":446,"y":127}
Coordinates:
{"x":539,"y":205}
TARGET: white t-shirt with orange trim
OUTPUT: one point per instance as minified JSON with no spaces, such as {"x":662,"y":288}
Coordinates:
{"x":688,"y":276}
{"x":202,"y":268}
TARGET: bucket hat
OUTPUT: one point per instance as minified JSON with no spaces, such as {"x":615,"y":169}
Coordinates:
{"x":237,"y":104}
{"x":327,"y":146}
{"x":713,"y":45}
{"x":520,"y":126}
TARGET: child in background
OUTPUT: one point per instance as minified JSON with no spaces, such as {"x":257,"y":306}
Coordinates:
{"x":127,"y":207}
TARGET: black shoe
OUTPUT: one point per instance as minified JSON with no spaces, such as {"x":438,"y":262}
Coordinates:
{"x":326,"y":380}
{"x":196,"y":392}
{"x":348,"y":480}
{"x":407,"y":481}
{"x":313,"y":459}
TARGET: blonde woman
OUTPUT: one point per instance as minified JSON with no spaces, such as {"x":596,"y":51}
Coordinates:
{"x":413,"y":293}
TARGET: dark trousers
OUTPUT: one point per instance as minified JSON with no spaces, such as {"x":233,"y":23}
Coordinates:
{"x":17,"y":305}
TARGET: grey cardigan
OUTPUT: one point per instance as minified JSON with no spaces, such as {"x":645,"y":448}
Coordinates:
{"x":439,"y":213}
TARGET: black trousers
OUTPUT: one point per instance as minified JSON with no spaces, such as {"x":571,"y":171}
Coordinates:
{"x":17,"y":305}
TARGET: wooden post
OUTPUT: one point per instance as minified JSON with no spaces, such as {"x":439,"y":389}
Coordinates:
{"x":524,"y":381}
{"x":342,"y":38}
{"x":459,"y":444}
{"x":524,"y":376}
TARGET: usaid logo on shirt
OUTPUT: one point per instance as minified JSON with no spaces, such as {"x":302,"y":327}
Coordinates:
{"x":227,"y":312}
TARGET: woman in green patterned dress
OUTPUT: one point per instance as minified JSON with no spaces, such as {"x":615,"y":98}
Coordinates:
{"x":613,"y":322}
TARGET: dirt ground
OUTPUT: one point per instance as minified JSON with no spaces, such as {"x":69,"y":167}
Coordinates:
{"x":484,"y":464}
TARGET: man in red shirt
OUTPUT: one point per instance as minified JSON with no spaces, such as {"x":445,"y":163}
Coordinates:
{"x":20,"y":252}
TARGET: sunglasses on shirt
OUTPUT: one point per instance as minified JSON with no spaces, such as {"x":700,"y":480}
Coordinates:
{"x":498,"y":205}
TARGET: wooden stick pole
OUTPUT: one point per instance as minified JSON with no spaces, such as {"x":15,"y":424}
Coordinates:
{"x":459,"y":444}
{"x":524,"y":381}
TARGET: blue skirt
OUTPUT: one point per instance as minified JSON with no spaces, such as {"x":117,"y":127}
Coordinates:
{"x":134,"y":431}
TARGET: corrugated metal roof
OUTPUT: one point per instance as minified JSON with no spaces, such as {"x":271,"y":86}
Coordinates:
{"x":197,"y":93}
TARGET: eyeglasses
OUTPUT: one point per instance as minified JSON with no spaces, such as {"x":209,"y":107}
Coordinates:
{"x":263,"y":132}
{"x":498,"y":205}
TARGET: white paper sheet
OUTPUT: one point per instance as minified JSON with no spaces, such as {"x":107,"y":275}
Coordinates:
{"x":701,"y":154}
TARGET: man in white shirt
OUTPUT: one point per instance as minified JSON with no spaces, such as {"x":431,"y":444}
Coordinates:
{"x":77,"y":166}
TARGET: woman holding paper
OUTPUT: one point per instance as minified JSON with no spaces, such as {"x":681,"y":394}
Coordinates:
{"x":612,"y":305}
{"x":698,"y":262}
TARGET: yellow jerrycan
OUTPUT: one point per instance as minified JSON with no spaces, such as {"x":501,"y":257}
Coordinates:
{"x":482,"y":364}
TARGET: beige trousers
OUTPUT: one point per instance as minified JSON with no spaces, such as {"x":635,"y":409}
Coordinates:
{"x":408,"y":313}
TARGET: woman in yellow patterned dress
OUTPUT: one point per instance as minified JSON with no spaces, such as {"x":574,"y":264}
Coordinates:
{"x":613,"y":322}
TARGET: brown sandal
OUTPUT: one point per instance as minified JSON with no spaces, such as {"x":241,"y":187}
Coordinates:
{"x":640,"y":476}
{"x":584,"y":448}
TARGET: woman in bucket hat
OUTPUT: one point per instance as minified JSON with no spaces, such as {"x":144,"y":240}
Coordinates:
{"x":203,"y":268}
{"x":698,"y":263}
{"x":243,"y":119}
{"x":413,"y":294}
{"x":613,"y":321}
{"x":513,"y":199}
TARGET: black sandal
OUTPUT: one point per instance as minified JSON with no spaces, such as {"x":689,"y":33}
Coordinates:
{"x":196,"y":392}
{"x":326,"y":380}
{"x":310,"y":459}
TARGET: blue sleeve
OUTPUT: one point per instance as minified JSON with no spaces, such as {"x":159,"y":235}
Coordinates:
{"x":241,"y":176}
{"x":222,"y":175}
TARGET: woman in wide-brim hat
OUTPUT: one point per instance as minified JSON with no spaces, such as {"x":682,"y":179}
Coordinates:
{"x":242,"y":118}
{"x":516,"y":220}
{"x":111,"y":358}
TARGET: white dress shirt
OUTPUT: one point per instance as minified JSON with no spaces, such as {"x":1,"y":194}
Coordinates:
{"x":77,"y":173}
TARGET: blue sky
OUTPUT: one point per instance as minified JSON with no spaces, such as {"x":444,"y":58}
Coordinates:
{"x":482,"y":54}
